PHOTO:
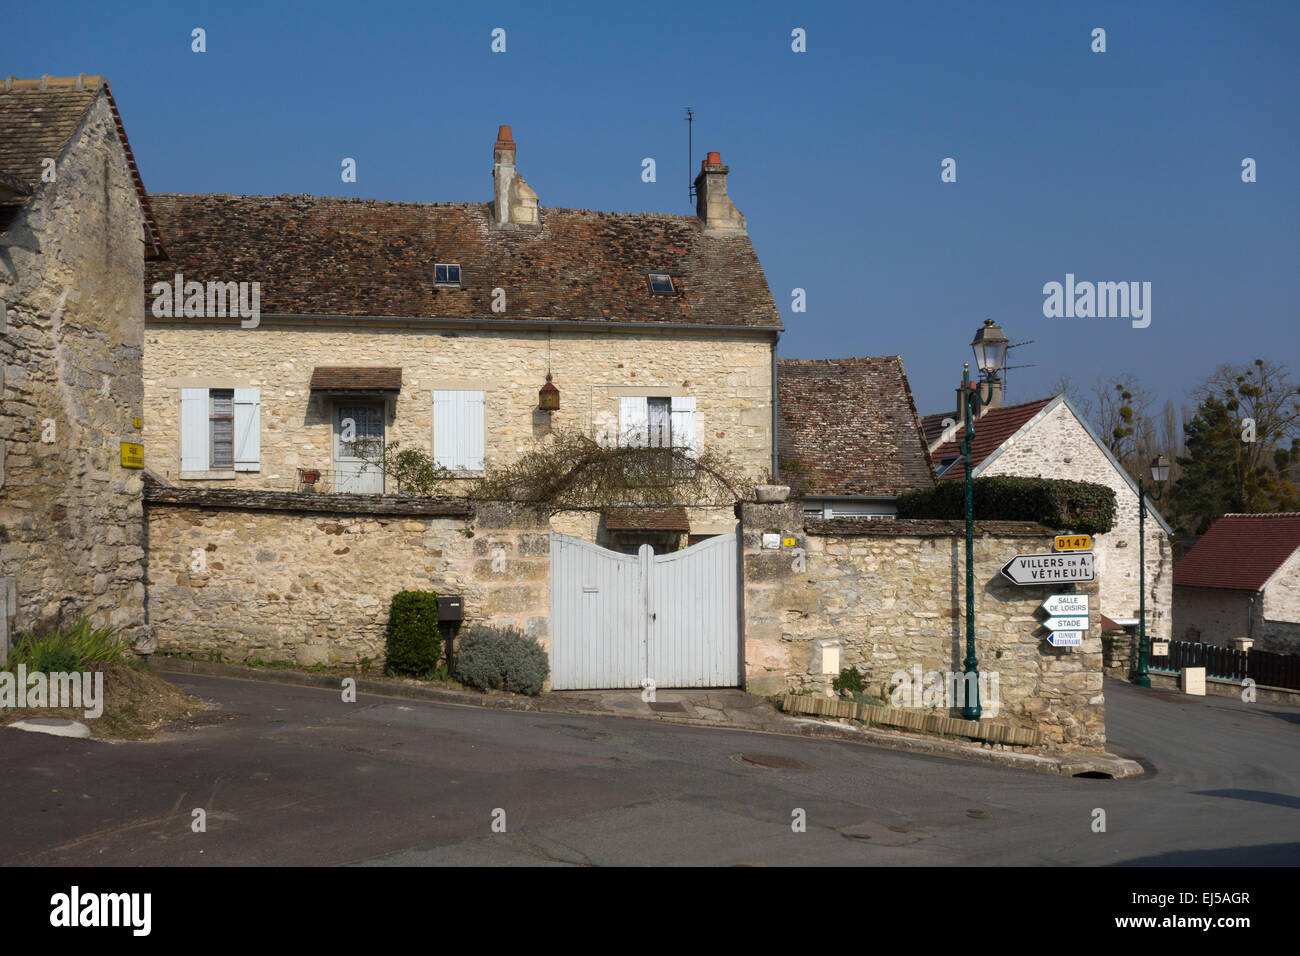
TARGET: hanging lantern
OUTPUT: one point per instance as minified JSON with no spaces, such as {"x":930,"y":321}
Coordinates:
{"x":548,"y":397}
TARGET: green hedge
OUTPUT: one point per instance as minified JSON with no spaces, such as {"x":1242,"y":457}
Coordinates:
{"x":414,"y":643}
{"x":1079,"y":506}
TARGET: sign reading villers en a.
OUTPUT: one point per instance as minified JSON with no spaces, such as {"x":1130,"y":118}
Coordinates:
{"x":1059,"y":568}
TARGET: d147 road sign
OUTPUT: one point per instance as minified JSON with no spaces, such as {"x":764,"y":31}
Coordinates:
{"x":1063,"y":567}
{"x":1072,"y":623}
{"x":1073,"y":542}
{"x":1066,"y":604}
{"x":1065,"y":639}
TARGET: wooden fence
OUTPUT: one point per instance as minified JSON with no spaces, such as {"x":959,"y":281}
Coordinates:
{"x":1263,"y":667}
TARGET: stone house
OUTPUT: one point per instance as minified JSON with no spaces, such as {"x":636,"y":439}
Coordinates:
{"x":1242,"y":580}
{"x":850,"y":436}
{"x":436,"y":325}
{"x":75,"y":232}
{"x":1049,"y":438}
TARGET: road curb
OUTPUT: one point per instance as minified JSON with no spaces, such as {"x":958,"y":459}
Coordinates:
{"x":1068,"y":765}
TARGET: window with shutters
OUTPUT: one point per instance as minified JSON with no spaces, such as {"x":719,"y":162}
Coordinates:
{"x":459,"y":437}
{"x":221,"y":416}
{"x":220,"y":432}
{"x":658,"y":422}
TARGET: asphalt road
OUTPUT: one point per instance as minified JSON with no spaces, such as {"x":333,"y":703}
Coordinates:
{"x":303,"y":778}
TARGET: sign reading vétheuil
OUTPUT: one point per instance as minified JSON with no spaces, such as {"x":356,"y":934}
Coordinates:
{"x":1059,"y":568}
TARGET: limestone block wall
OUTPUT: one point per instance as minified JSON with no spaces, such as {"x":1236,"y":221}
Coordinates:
{"x":1282,"y":592}
{"x":310,"y":578}
{"x":891,"y":594}
{"x":1217,"y":615}
{"x":729,"y":376}
{"x":1058,"y":446}
{"x":71,"y":522}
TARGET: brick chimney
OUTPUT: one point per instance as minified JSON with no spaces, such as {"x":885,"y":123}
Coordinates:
{"x":712,"y":204}
{"x":513,"y":201}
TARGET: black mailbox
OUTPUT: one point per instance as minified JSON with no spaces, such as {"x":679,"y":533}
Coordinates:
{"x":451,"y":608}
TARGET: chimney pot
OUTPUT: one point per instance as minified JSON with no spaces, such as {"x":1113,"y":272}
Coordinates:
{"x":715,"y":159}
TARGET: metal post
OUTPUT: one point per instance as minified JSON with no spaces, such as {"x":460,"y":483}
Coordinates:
{"x":1142,"y":679}
{"x":972,"y":709}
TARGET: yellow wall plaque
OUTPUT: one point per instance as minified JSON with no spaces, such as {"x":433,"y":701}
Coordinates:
{"x":132,"y":455}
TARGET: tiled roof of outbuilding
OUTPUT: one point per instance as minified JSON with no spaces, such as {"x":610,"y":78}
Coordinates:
{"x":341,"y":378}
{"x":849,"y":427}
{"x":991,"y":430}
{"x":1240,"y":552}
{"x":330,"y":256}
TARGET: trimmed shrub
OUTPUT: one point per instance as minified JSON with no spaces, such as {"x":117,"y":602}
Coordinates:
{"x":414,"y":644}
{"x":1081,"y":506}
{"x":501,"y":658}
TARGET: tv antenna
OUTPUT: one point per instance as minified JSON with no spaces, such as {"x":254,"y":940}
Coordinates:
{"x":690,"y":154}
{"x":1007,"y":368}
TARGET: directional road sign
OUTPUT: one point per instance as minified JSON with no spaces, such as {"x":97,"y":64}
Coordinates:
{"x":1065,"y":639}
{"x":1060,"y":568}
{"x":1073,"y":542}
{"x":1066,"y":604}
{"x":1063,"y":623}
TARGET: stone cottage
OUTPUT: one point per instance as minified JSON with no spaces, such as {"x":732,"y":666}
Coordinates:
{"x":75,"y":232}
{"x":1242,"y":580}
{"x":850,"y":436}
{"x":287,"y":330}
{"x":1049,"y":438}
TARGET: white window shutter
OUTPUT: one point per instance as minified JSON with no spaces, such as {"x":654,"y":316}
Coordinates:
{"x":195,"y":447}
{"x":475,"y":433}
{"x":634,"y":422}
{"x":459,"y":437}
{"x":444,"y":429}
{"x":248,"y":429}
{"x":683,"y":415}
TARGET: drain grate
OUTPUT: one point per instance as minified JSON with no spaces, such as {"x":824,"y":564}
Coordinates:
{"x":771,"y":762}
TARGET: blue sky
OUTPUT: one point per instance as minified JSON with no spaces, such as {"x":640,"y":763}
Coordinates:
{"x":1115,"y":166}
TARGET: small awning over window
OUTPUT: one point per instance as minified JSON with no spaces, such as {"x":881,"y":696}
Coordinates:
{"x":647,"y":519}
{"x":336,"y":378}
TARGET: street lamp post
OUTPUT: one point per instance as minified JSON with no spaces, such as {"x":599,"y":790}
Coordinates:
{"x":990,"y":347}
{"x":1159,"y":475}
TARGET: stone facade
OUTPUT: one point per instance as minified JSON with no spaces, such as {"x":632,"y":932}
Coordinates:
{"x":71,"y":520}
{"x":888,"y":596}
{"x":248,"y":578}
{"x":729,"y":376}
{"x":1058,"y":446}
{"x":1218,"y":615}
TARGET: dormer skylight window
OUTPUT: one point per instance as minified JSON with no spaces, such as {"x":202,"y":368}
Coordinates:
{"x":661,"y":282}
{"x":447,"y":274}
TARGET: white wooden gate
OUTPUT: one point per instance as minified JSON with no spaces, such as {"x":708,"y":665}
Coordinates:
{"x":618,"y":620}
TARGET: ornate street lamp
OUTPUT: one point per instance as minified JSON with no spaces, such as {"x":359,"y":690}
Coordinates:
{"x":1159,"y":475}
{"x":990,"y":348}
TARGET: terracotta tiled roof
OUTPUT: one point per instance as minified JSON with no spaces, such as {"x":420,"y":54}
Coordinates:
{"x":932,"y":426}
{"x":995,"y":427}
{"x":1240,"y":552}
{"x":647,"y":519}
{"x":37,"y":120}
{"x":849,"y":427}
{"x":329,"y":256}
{"x":338,"y":378}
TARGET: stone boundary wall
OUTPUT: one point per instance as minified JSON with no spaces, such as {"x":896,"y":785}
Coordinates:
{"x":888,"y":596}
{"x":309,"y":578}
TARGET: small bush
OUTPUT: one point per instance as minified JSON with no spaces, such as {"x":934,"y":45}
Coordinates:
{"x":77,"y":647}
{"x":493,"y":658}
{"x":850,"y":680}
{"x":1079,"y":506}
{"x":414,"y":644}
